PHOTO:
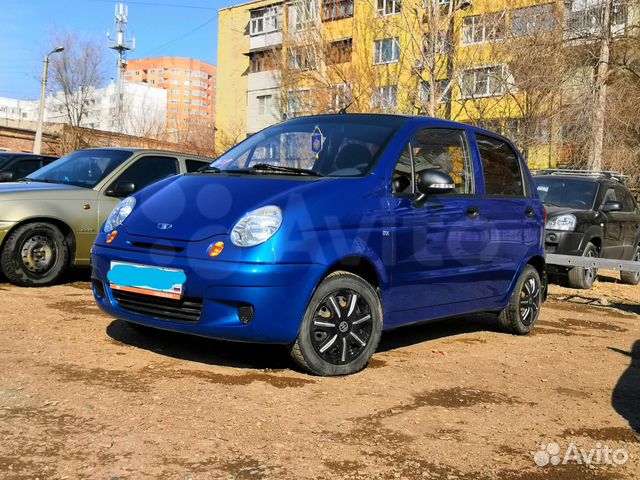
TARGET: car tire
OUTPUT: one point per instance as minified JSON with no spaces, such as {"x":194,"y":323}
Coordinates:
{"x":631,"y":278}
{"x":34,"y":255}
{"x":523,"y":310}
{"x":581,"y":277}
{"x":341,"y":327}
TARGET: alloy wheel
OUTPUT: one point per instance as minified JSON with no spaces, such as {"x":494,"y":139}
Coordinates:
{"x":529,"y":305}
{"x":341,"y":327}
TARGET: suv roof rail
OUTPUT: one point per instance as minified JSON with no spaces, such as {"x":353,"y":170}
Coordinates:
{"x":584,"y":173}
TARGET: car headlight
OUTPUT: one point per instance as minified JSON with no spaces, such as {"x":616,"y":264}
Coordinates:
{"x":119,"y":214}
{"x":563,"y":222}
{"x":257,"y":227}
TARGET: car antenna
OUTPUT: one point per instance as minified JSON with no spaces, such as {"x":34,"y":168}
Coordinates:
{"x":343,"y":110}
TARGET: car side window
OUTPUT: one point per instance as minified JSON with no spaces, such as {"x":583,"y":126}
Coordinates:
{"x":195,"y":165}
{"x":22,"y":168}
{"x":501,"y":166}
{"x":148,"y":170}
{"x":442,"y":148}
{"x":610,"y":196}
{"x":622,"y":196}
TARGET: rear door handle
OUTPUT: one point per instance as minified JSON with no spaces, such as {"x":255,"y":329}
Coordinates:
{"x":473,"y":212}
{"x":529,"y":212}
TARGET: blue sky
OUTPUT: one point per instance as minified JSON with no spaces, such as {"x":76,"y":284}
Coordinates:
{"x":161,"y":28}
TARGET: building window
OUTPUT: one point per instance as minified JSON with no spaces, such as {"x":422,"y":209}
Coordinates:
{"x":340,"y":52}
{"x":263,"y":61}
{"x":385,"y":98}
{"x":306,"y":13}
{"x":265,"y":20}
{"x":336,"y":9}
{"x":386,"y":51}
{"x":341,"y":95}
{"x":483,"y":82}
{"x":483,"y":28}
{"x":175,"y":92}
{"x":388,"y":7}
{"x":302,"y":58}
{"x":265,"y":104}
{"x":298,"y":102}
{"x":532,"y":20}
{"x":443,"y":92}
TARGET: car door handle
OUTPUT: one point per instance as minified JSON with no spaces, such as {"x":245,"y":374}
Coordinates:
{"x":473,"y":212}
{"x":529,"y":212}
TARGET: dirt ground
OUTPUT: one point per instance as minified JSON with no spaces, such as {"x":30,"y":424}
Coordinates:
{"x":84,"y":396}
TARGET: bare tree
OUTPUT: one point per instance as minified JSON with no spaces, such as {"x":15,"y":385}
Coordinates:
{"x":76,"y":73}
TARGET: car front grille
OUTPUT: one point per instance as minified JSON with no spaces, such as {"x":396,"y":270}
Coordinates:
{"x":184,"y":310}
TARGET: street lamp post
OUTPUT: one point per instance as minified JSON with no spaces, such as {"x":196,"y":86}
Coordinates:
{"x":37,"y":144}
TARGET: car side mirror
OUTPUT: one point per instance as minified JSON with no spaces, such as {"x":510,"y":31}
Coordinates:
{"x":6,"y":176}
{"x":433,"y":181}
{"x":611,"y":206}
{"x":122,"y":189}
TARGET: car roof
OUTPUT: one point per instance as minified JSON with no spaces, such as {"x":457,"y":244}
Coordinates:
{"x":595,"y":177}
{"x":145,"y":150}
{"x":25,"y":154}
{"x":398,"y":120}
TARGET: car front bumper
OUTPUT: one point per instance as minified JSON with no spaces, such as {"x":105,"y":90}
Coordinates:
{"x":276,"y":295}
{"x":564,"y":243}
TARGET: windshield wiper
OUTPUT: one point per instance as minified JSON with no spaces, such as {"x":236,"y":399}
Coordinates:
{"x":279,"y":168}
{"x":41,"y":180}
{"x":209,"y":169}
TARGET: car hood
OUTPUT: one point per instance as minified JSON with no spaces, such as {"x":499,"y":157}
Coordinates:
{"x":553,"y":211}
{"x":26,"y":190}
{"x":196,"y":207}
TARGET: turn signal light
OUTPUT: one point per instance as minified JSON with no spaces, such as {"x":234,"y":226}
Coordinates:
{"x":216,"y":249}
{"x":112,"y":236}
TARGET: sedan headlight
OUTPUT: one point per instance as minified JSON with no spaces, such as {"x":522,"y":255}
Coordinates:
{"x":566,"y":223}
{"x":119,"y":214}
{"x":257,"y":227}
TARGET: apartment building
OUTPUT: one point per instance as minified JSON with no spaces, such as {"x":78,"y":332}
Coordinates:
{"x":191,"y":91}
{"x":141,"y":113}
{"x":446,"y":58}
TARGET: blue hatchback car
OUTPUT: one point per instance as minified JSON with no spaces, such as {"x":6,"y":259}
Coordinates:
{"x":321,"y":232}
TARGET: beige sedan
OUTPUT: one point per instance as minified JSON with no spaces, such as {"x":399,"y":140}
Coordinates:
{"x":49,"y":220}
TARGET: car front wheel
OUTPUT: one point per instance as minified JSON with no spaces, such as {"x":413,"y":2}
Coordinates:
{"x":582,"y":277}
{"x":632,"y":278}
{"x":34,"y":255}
{"x":341,"y":327}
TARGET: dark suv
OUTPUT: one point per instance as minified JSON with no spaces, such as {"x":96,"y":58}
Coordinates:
{"x":591,"y":214}
{"x":14,"y":166}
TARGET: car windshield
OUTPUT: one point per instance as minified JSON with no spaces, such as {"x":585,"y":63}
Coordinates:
{"x":84,"y":168}
{"x":566,"y":192}
{"x":337,"y":146}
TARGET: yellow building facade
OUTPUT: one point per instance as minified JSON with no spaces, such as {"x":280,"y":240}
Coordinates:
{"x":488,"y":62}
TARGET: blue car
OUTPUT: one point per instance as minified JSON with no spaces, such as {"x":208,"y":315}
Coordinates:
{"x":321,"y":232}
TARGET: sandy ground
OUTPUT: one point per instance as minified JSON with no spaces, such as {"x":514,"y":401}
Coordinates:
{"x":84,"y":396}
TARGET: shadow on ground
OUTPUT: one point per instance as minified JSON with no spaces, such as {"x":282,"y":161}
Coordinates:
{"x":75,"y":275}
{"x":626,"y":395}
{"x":275,"y":357}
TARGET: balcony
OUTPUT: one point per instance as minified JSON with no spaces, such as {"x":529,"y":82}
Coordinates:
{"x":265,"y":40}
{"x":587,"y":24}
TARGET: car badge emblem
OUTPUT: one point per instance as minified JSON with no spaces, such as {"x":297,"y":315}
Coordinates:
{"x":164,"y":226}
